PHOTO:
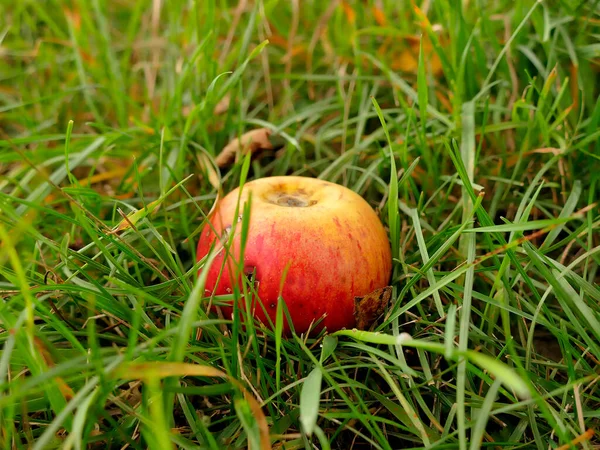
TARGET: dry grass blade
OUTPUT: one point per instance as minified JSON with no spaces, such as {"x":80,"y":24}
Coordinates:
{"x":153,"y":370}
{"x":253,"y":141}
{"x":584,"y":437}
{"x":214,"y":178}
{"x":211,"y":172}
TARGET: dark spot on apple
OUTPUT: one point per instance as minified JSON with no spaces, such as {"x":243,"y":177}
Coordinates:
{"x":272,"y":305}
{"x":250,"y":273}
{"x":337,"y":222}
{"x":350,"y":236}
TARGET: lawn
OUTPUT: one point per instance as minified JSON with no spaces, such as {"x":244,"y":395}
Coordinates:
{"x":471,"y":127}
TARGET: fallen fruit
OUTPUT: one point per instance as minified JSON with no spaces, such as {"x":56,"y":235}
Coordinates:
{"x":322,"y":239}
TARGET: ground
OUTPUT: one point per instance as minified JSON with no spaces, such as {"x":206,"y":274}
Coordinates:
{"x":471,"y":127}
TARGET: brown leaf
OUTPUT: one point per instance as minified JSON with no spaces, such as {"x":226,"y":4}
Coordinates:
{"x":253,"y":141}
{"x":369,"y":308}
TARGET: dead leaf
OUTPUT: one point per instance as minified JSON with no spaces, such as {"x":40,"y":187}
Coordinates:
{"x":253,"y":141}
{"x":369,"y":308}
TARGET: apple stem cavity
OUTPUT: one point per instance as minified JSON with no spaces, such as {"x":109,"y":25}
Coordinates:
{"x":288,"y":200}
{"x":291,"y":200}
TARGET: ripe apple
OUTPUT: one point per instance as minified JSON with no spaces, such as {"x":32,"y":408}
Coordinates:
{"x":327,"y":237}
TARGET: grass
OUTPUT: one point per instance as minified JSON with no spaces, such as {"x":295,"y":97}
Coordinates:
{"x":472,"y":128}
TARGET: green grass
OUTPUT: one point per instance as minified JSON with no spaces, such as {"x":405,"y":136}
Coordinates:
{"x":471,"y":126}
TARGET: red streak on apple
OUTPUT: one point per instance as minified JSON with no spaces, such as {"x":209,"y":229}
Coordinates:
{"x":333,"y":244}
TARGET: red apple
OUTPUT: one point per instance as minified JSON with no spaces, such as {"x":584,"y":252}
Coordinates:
{"x":328,"y":237}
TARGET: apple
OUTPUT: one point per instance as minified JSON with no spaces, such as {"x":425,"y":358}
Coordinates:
{"x":315,"y":243}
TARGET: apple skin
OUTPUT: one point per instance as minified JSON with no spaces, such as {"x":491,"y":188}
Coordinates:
{"x":332,"y":240}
